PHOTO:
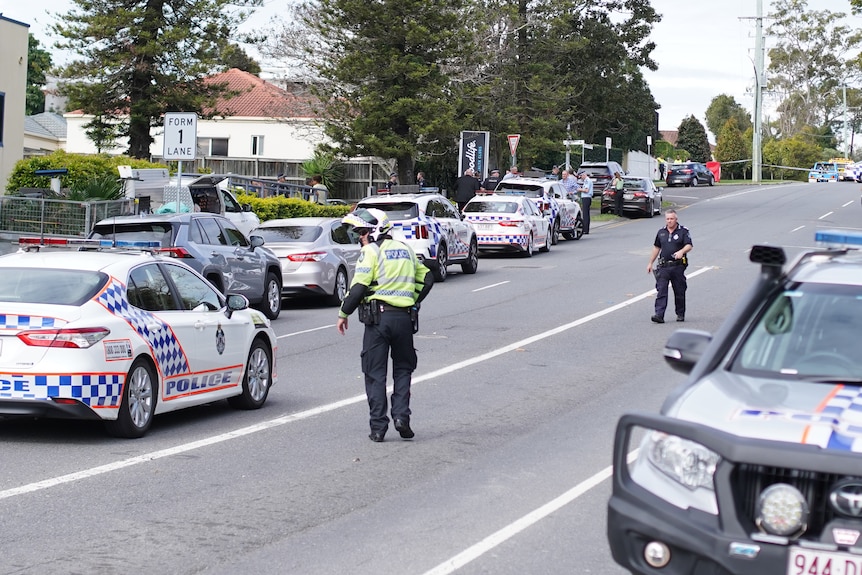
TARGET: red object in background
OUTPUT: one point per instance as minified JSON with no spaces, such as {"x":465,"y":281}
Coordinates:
{"x":715,"y":168}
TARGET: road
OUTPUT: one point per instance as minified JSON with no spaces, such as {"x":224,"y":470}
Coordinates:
{"x":524,"y":369}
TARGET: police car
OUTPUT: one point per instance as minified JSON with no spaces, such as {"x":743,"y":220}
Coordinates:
{"x":432,"y":227}
{"x":755,"y":463}
{"x":123,"y":336}
{"x":549,"y":195}
{"x":823,"y":172}
{"x":505,"y":223}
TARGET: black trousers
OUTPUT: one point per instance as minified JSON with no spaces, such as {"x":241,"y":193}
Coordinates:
{"x":675,"y":276}
{"x":392,"y":336}
{"x":618,"y":199}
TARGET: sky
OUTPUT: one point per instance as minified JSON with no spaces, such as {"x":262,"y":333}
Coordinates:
{"x":703,"y":47}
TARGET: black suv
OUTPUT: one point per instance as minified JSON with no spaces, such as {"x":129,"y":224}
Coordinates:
{"x":601,"y":173}
{"x":754,"y":466}
{"x":689,"y":174}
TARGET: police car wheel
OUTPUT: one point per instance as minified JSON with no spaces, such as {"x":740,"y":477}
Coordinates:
{"x":440,"y":271}
{"x":547,"y":246}
{"x":341,"y":287}
{"x":257,"y":378}
{"x":579,"y":228}
{"x":271,"y":304}
{"x":555,"y":233}
{"x":472,"y":263}
{"x":138,"y":404}
{"x":528,"y":252}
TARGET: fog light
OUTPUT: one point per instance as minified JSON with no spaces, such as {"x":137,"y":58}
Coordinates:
{"x":782,"y":510}
{"x":657,"y":554}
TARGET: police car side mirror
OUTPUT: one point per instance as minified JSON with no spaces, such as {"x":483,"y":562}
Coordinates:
{"x":685,"y":347}
{"x":235,"y":302}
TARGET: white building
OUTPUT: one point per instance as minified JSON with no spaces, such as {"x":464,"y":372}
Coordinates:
{"x":13,"y":94}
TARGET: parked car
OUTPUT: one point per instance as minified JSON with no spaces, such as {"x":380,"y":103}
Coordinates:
{"x":823,"y":172}
{"x":689,"y":174}
{"x":601,"y":173}
{"x":318,"y":255}
{"x":213,"y":246}
{"x":639,"y":195}
{"x":845,"y":171}
{"x":509,"y":223}
{"x":120,"y":337}
{"x":433,"y":227}
{"x":753,"y":465}
{"x":548,"y":195}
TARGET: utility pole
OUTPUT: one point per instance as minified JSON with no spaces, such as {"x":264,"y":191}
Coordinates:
{"x":846,"y":138}
{"x":756,"y":141}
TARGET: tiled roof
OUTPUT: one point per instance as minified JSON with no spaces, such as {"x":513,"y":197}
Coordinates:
{"x":258,"y":98}
{"x":669,"y":136}
{"x":46,"y":124}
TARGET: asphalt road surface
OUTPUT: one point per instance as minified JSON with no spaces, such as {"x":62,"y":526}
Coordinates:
{"x":524,"y":369}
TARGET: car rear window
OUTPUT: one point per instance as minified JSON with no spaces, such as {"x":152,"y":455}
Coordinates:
{"x":396,"y":210}
{"x":162,"y":232}
{"x":491,"y":207}
{"x":634,"y":184}
{"x":50,"y":286}
{"x":289,"y":234}
{"x":528,"y":190}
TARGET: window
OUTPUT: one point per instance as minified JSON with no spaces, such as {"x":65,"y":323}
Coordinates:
{"x":257,"y":145}
{"x":195,"y":293}
{"x":212,"y":146}
{"x":148,"y":289}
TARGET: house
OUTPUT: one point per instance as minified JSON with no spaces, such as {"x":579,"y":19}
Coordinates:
{"x":13,"y":94}
{"x":44,"y":133}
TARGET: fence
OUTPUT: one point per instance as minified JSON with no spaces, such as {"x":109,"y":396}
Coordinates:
{"x":45,"y":217}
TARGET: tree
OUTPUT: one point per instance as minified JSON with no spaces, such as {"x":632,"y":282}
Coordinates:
{"x":795,"y":151}
{"x":233,"y":56}
{"x":38,"y":64}
{"x":731,"y":147}
{"x":813,"y":54}
{"x":142,"y":58}
{"x":721,"y":109}
{"x":692,"y":138}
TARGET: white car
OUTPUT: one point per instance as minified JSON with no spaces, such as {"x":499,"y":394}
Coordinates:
{"x":123,"y":336}
{"x":549,"y":195}
{"x":432,"y":227}
{"x":506,"y":223}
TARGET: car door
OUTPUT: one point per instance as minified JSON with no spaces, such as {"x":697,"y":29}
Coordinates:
{"x":347,"y":246}
{"x":243,"y":268}
{"x":457,"y":232}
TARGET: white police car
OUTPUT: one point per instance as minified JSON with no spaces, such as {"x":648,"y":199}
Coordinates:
{"x":755,"y":464}
{"x":432,"y":226}
{"x":506,"y":223}
{"x":123,"y":336}
{"x":549,"y":195}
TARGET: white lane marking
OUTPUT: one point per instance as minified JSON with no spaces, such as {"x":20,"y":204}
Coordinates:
{"x":509,"y":531}
{"x":848,"y":203}
{"x":491,"y":286}
{"x":307,"y":331}
{"x":796,"y":229}
{"x":154,"y":455}
{"x":826,"y":215}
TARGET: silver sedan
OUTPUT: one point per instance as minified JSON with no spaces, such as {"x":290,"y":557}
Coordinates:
{"x":317,"y":255}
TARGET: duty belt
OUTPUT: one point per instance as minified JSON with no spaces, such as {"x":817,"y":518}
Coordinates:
{"x":387,"y":307}
{"x":664,"y":263}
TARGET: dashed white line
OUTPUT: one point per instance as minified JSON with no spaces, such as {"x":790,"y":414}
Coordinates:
{"x":491,"y":286}
{"x":826,"y":215}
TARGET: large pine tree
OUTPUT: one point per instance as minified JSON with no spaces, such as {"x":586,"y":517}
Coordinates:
{"x":692,"y":138}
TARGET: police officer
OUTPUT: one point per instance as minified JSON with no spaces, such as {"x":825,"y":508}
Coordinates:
{"x":671,"y":245}
{"x":387,"y":287}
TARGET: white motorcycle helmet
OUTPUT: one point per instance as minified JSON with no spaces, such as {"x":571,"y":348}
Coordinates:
{"x":370,"y":219}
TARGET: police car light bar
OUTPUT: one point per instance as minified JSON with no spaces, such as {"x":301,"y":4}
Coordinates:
{"x":87,"y":242}
{"x":839,"y":238}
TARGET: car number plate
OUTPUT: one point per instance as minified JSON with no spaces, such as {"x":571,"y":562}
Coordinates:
{"x":809,"y":562}
{"x":484,"y":226}
{"x":628,"y":196}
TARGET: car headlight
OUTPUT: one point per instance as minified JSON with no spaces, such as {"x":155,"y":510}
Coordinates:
{"x":688,"y":463}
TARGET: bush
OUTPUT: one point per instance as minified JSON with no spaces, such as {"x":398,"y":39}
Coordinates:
{"x":281,"y":207}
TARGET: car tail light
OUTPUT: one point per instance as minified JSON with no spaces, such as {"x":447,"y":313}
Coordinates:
{"x":176,"y":252}
{"x":80,"y":338}
{"x":687,"y":171}
{"x":510,"y":223}
{"x":307,"y":257}
{"x":420,"y":232}
{"x":640,"y":195}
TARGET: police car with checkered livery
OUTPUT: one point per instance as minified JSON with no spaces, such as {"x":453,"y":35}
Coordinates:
{"x":120,"y":336}
{"x":755,"y":464}
{"x":507,"y":223}
{"x":432,"y":226}
{"x":550,"y":196}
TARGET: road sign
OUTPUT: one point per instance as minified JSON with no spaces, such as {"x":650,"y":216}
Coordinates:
{"x":181,"y":135}
{"x":573,"y":142}
{"x":513,"y":142}
{"x":608,"y":142}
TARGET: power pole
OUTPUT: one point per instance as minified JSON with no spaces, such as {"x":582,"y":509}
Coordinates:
{"x":846,"y":139}
{"x":756,"y":141}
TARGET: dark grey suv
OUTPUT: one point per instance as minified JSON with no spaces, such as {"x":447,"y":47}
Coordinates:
{"x":213,"y":246}
{"x":601,"y":173}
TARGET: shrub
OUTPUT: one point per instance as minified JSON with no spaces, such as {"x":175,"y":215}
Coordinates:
{"x":278,"y":207}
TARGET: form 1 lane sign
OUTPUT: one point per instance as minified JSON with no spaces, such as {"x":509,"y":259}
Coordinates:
{"x":181,"y":134}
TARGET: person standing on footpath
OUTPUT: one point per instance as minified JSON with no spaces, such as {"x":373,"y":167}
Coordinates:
{"x":570,"y":183}
{"x":618,"y":185}
{"x":512,"y":173}
{"x":490,"y":183}
{"x":420,"y":180}
{"x":389,"y":284}
{"x":465,"y":188}
{"x":585,"y":189}
{"x":319,"y":190}
{"x":393,"y":181}
{"x":671,"y":245}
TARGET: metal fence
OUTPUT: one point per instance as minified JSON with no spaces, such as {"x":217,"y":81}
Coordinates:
{"x":45,"y":217}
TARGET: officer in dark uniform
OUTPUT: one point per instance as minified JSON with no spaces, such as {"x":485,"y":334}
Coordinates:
{"x":490,"y":183}
{"x":387,"y":288}
{"x":671,"y":245}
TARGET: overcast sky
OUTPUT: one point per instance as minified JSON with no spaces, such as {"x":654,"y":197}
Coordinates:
{"x":703,"y":47}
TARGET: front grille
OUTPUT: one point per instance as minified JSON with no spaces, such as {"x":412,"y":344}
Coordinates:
{"x":749,"y":481}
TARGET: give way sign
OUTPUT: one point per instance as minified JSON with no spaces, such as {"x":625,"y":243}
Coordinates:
{"x":513,"y":142}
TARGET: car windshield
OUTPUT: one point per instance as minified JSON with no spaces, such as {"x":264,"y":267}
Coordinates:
{"x":491,"y":207}
{"x":810,"y":331}
{"x":50,"y":286}
{"x":396,"y":210}
{"x":288,"y":234}
{"x":135,"y":231}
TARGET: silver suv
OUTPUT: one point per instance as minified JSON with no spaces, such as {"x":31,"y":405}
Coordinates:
{"x":213,"y":246}
{"x":754,"y":464}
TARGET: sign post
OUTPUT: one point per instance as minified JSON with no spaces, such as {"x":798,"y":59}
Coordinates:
{"x":181,"y":139}
{"x":608,"y":144}
{"x":513,"y":147}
